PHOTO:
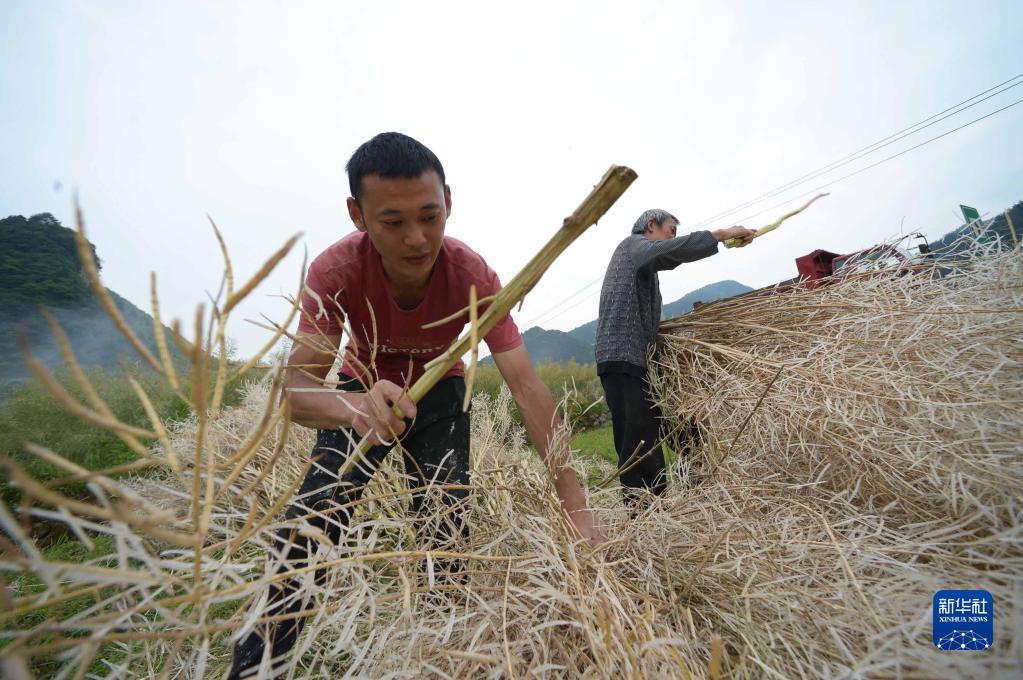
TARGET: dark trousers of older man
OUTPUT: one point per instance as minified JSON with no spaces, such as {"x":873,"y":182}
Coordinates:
{"x":636,"y":424}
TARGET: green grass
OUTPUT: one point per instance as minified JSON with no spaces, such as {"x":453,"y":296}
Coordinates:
{"x":70,"y":550}
{"x":578,"y":383}
{"x":30,"y":414}
{"x":23,"y":584}
{"x":63,"y":550}
{"x":596,"y":443}
{"x":599,"y":443}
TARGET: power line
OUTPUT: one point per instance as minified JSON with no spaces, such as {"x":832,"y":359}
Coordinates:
{"x":572,"y":306}
{"x":543,"y":316}
{"x":883,"y":160}
{"x":871,"y":148}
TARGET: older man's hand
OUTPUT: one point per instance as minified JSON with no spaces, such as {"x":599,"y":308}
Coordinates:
{"x":744,"y":235}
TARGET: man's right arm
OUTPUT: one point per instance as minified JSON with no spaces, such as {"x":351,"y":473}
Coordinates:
{"x":668,"y":254}
{"x":365,"y":412}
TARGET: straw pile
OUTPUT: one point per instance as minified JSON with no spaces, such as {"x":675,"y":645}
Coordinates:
{"x":862,"y":450}
{"x":865,"y":440}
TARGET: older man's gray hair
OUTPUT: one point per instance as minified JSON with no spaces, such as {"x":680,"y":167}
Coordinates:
{"x":653,"y":214}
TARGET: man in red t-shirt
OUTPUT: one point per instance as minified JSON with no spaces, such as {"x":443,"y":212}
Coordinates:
{"x":379,"y":287}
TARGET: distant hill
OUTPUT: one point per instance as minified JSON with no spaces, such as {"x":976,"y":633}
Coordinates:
{"x":39,"y":263}
{"x":39,"y":267}
{"x":587,"y":333}
{"x":709,"y":293}
{"x":551,"y":346}
{"x":546,"y":346}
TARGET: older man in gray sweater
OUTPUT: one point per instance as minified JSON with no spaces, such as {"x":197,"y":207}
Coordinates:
{"x":630,"y":314}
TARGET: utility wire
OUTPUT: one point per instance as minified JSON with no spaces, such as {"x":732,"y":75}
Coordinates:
{"x":871,"y":148}
{"x":543,"y":316}
{"x":883,"y":160}
{"x":572,"y":306}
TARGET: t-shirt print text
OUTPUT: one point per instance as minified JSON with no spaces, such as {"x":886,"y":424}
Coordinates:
{"x":405,"y":346}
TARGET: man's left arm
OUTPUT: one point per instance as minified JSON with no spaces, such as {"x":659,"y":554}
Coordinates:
{"x":540,"y":416}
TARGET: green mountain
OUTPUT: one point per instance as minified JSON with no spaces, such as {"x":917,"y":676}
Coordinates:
{"x":39,"y":267}
{"x":587,"y":333}
{"x":709,"y":293}
{"x":550,"y":346}
{"x":553,"y":346}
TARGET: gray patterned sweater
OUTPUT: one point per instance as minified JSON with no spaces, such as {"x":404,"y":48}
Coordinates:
{"x":630,"y":299}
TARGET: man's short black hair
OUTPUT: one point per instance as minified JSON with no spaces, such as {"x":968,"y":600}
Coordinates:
{"x":390,"y":155}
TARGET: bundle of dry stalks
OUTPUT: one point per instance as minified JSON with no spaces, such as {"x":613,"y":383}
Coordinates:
{"x":865,"y":442}
{"x":861,"y":452}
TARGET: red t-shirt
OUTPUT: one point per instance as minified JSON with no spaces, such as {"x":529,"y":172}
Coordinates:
{"x":349,"y":279}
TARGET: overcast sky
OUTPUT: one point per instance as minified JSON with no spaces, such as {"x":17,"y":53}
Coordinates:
{"x":158,"y":113}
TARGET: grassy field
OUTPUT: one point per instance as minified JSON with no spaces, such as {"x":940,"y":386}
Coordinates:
{"x":22,"y":584}
{"x":596,"y":443}
{"x":32,"y":415}
{"x":599,"y":443}
{"x":29,"y":414}
{"x":576,"y":384}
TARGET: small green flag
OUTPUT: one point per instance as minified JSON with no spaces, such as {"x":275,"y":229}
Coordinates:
{"x":970,"y":214}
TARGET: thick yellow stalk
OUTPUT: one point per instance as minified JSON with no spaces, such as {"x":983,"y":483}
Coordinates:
{"x":610,"y":188}
{"x":733,"y":242}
